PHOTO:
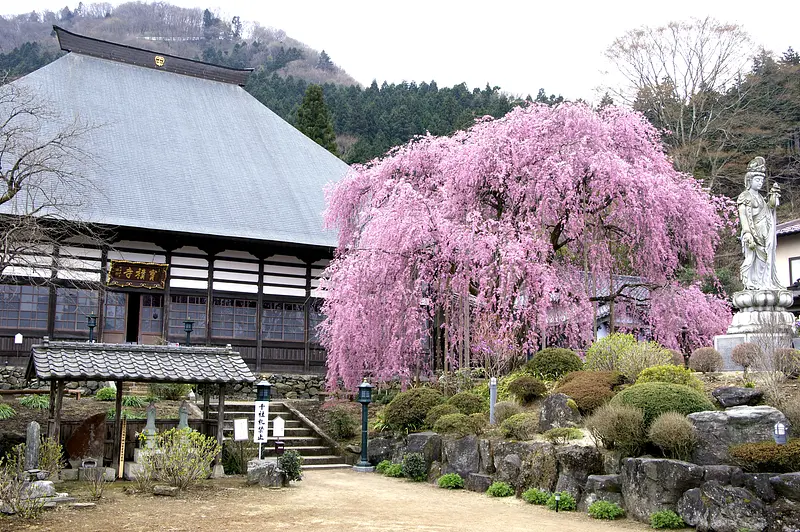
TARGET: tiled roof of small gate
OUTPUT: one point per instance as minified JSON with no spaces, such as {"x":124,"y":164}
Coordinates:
{"x":142,"y":363}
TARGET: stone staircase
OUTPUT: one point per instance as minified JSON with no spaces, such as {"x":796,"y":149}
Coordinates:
{"x":317,"y":452}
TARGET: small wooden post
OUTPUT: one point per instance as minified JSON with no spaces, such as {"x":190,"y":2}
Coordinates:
{"x":117,"y":426}
{"x":206,"y":408}
{"x":51,"y":409}
{"x":220,"y":420}
{"x":57,"y":411}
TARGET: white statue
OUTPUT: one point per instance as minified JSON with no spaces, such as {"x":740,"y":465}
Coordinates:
{"x":758,"y":221}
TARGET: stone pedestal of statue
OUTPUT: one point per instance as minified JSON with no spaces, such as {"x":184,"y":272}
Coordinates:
{"x":761,"y":318}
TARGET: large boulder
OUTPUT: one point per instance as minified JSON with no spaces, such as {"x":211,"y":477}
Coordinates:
{"x":539,"y":467}
{"x":558,"y":410}
{"x":759,"y":483}
{"x":380,"y":449}
{"x":601,"y":488}
{"x":266,"y":473}
{"x":719,"y":508}
{"x":716,"y":431}
{"x":478,"y":482}
{"x":575,"y":464}
{"x":729,"y":396}
{"x":461,"y":456}
{"x":724,"y":474}
{"x":785,"y":515}
{"x":507,"y":460}
{"x":787,"y":485}
{"x":653,"y":484}
{"x":428,"y":444}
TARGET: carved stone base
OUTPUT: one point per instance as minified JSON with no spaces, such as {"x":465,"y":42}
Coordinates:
{"x":762,"y":311}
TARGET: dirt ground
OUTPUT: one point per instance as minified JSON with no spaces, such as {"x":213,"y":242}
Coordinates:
{"x":326,"y":500}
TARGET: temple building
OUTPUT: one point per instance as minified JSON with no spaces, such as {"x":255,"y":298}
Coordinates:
{"x":211,"y":203}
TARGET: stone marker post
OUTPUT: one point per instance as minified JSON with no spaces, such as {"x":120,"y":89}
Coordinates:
{"x":150,"y":427}
{"x":32,"y":442}
{"x":492,"y":398}
{"x":183,"y":416}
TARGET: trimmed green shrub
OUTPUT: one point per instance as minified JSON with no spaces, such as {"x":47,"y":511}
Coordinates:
{"x":553,"y":362}
{"x":500,"y":489}
{"x":767,"y":456}
{"x":451,"y":481}
{"x":527,"y":388}
{"x":408,"y":410}
{"x":438,"y":411}
{"x":666,"y":519}
{"x":291,"y":463}
{"x":619,"y":427}
{"x":504,"y":410}
{"x":561,"y":435}
{"x":170,"y":391}
{"x":106,"y":394}
{"x":468,"y":403}
{"x":520,"y":426}
{"x":655,"y":398}
{"x":133,"y":401}
{"x":604,"y":353}
{"x":605,"y":510}
{"x":38,"y":401}
{"x":566,"y":504}
{"x":382,"y":466}
{"x":705,"y":359}
{"x":674,"y":434}
{"x":457,"y":425}
{"x":590,"y":389}
{"x":641,"y":356}
{"x":479,"y":422}
{"x":394,"y":470}
{"x":342,"y":420}
{"x":414,"y":467}
{"x":671,"y":374}
{"x":536,"y":496}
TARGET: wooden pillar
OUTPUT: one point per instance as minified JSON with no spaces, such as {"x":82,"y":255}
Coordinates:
{"x":165,"y":301}
{"x":206,"y":401}
{"x":117,"y":428}
{"x":56,"y":433}
{"x":101,"y":313}
{"x":259,"y":314}
{"x":306,"y":336}
{"x":210,"y":295}
{"x":51,"y":408}
{"x":220,"y":420}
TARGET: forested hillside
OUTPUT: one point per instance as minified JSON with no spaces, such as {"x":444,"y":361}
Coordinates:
{"x":367,"y":121}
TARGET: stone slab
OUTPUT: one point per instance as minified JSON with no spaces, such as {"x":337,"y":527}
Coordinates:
{"x":130,"y":470}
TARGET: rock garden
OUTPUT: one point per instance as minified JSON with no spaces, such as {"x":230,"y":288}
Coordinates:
{"x":626,"y":432}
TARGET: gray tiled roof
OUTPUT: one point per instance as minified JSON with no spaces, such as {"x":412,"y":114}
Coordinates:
{"x":788,"y":228}
{"x":143,"y":363}
{"x":179,"y":153}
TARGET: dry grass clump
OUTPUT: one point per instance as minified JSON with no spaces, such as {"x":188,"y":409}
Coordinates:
{"x":674,"y":434}
{"x":618,"y":426}
{"x":706,"y":360}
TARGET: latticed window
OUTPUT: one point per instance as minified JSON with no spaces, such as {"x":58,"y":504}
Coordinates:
{"x":115,"y":312}
{"x":183,"y":308}
{"x":234,"y":318}
{"x":23,"y":307}
{"x":282,"y":321}
{"x":315,"y":317}
{"x":72,"y":307}
{"x":153,"y":313}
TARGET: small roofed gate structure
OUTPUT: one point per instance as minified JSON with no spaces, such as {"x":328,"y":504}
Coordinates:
{"x":61,"y":362}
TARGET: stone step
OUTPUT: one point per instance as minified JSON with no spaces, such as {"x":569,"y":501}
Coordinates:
{"x":306,"y":451}
{"x":331,"y":459}
{"x":327,"y":466}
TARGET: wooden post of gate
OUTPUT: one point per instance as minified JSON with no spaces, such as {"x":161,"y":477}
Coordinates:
{"x":122,"y":447}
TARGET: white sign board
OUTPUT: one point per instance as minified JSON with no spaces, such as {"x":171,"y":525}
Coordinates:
{"x":240,"y":430}
{"x":278,"y":427}
{"x":262,"y":422}
{"x":18,"y":338}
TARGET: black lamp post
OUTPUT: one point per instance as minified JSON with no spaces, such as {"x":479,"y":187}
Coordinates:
{"x":188,"y":325}
{"x":685,"y":346}
{"x":365,"y":398}
{"x":91,"y":322}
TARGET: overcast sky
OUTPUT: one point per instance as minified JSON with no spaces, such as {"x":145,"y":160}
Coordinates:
{"x":520,"y":46}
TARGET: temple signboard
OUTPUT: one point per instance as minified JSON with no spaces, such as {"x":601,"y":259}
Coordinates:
{"x":127,"y":273}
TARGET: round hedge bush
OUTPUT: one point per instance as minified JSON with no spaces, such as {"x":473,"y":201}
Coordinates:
{"x":619,"y":427}
{"x":674,"y":434}
{"x":468,"y":403}
{"x":604,"y":353}
{"x":504,"y":410}
{"x":553,"y":363}
{"x":408,"y":410}
{"x":655,"y":398}
{"x":705,"y":360}
{"x":459,"y":425}
{"x":520,"y":426}
{"x":671,"y":374}
{"x":746,"y":354}
{"x":590,"y":389}
{"x":438,"y":411}
{"x":527,"y":388}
